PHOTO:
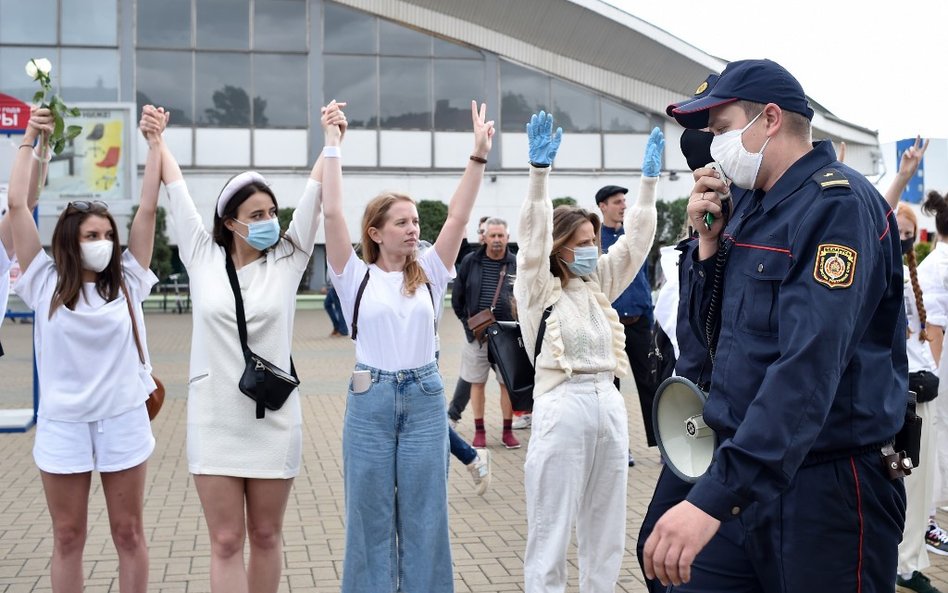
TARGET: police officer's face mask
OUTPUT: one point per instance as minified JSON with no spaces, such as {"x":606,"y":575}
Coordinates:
{"x":738,"y":164}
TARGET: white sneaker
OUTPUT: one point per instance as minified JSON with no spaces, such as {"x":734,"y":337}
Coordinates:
{"x":480,"y":471}
{"x":522,"y":421}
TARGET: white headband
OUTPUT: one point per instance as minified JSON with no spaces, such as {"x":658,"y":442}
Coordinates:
{"x":235,"y":185}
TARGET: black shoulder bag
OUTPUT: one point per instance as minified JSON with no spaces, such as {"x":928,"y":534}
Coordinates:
{"x":262,"y":381}
{"x":505,"y":349}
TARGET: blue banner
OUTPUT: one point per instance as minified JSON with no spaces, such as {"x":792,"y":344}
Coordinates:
{"x":915,"y":190}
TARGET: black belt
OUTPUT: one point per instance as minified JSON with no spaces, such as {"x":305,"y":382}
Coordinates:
{"x":818,"y":457}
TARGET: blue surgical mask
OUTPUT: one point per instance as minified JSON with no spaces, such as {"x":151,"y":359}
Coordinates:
{"x":584,"y":260}
{"x":261,"y":235}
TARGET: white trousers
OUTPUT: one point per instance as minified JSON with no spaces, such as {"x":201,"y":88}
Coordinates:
{"x":919,"y":490}
{"x":576,"y":473}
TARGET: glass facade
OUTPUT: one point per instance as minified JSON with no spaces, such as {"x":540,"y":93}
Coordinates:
{"x":249,"y":64}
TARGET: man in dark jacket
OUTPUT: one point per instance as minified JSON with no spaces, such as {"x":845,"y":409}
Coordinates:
{"x":484,"y":283}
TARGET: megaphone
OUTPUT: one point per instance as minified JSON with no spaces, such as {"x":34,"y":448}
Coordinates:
{"x":687,"y":444}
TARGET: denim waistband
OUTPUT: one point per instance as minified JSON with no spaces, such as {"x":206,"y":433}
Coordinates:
{"x":378,"y":375}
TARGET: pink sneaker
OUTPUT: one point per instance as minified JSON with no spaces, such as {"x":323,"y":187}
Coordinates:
{"x":480,"y":439}
{"x":509,"y":440}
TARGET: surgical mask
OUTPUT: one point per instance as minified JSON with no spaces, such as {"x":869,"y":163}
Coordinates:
{"x":96,"y":255}
{"x":584,"y":260}
{"x":261,"y":235}
{"x":738,"y":164}
{"x":908,"y":245}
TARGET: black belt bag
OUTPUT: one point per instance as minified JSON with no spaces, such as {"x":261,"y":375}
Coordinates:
{"x":924,"y":384}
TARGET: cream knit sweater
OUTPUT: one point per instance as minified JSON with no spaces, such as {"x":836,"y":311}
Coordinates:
{"x":583,"y":334}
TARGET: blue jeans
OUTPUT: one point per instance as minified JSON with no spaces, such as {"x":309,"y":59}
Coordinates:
{"x":334,"y":310}
{"x":465,"y":453}
{"x":395,"y":455}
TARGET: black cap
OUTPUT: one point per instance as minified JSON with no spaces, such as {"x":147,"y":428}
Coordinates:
{"x":608,"y":191}
{"x":760,"y":81}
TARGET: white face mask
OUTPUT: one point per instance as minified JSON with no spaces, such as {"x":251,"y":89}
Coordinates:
{"x":738,"y":164}
{"x":96,"y":255}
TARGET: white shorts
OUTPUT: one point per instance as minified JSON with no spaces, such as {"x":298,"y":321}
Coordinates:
{"x":109,"y":445}
{"x":474,"y":365}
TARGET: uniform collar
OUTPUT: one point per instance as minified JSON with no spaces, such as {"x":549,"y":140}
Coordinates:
{"x":799,"y":173}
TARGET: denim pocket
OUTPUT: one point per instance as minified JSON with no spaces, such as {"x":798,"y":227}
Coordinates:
{"x":431,"y":384}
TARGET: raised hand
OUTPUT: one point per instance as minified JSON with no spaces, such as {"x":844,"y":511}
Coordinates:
{"x":153,"y":123}
{"x":912,"y":158}
{"x":543,"y":141}
{"x":483,"y":130}
{"x":652,"y":165}
{"x":41,"y":122}
{"x":333,"y":121}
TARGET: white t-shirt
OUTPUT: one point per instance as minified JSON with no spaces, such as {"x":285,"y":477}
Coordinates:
{"x":396,"y":332}
{"x":87,"y":360}
{"x":920,"y":356}
{"x":5,"y":264}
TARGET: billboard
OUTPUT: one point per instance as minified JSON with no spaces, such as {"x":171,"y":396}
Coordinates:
{"x":99,"y":164}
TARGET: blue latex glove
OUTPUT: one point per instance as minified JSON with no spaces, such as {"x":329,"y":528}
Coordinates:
{"x":652,"y":165}
{"x":543,"y":141}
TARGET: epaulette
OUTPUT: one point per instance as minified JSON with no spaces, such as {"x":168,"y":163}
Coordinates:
{"x":830,"y":178}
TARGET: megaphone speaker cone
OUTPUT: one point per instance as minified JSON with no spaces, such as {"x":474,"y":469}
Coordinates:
{"x":687,"y":444}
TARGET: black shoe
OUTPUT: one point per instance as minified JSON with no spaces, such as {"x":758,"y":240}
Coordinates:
{"x":631,"y":459}
{"x":919,"y":583}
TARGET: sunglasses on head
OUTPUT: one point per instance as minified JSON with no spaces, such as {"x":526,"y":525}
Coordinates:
{"x":89,"y":205}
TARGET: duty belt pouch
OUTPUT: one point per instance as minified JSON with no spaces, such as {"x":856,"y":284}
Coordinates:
{"x":262,"y":381}
{"x":908,"y":441}
{"x":924,"y":384}
{"x":480,"y":321}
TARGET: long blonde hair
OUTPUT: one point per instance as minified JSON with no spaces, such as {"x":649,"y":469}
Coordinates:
{"x":375,"y":216}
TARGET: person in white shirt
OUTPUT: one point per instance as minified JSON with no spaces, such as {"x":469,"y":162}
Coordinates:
{"x":576,"y":467}
{"x":395,"y":433}
{"x":243,"y":463}
{"x":92,"y":413}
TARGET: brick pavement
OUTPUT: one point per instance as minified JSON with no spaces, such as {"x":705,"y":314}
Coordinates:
{"x":488,"y":533}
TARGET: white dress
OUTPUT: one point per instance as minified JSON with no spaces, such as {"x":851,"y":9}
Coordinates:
{"x":224,"y":435}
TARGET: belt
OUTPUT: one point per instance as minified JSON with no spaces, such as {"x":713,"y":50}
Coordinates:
{"x":630,"y":320}
{"x":891,"y":460}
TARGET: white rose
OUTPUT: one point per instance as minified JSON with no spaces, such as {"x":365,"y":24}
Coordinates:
{"x":36,"y":66}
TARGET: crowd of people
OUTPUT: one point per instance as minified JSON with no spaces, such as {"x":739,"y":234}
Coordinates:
{"x":787,"y":302}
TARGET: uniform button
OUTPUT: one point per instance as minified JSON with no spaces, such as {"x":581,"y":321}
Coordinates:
{"x":760,"y":267}
{"x":735,"y":510}
{"x":701,"y":273}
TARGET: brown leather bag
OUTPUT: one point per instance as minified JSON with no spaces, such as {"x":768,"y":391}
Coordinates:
{"x":480,"y":321}
{"x":157,"y":397}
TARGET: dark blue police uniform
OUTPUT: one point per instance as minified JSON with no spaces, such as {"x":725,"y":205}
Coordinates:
{"x":809,"y":381}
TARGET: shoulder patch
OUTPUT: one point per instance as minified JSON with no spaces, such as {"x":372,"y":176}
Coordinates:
{"x":830,"y":178}
{"x":835,"y":265}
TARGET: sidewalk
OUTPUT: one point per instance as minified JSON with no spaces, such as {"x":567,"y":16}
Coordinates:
{"x":488,"y":533}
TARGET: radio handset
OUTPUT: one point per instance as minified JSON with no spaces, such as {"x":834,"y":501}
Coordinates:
{"x":725,"y":197}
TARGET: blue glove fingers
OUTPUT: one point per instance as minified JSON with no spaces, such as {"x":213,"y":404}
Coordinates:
{"x":555,"y":144}
{"x":652,"y":165}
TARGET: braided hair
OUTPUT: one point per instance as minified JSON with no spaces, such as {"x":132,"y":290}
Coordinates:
{"x":902,"y":210}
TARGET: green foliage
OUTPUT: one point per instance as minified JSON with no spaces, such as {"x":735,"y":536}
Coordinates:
{"x":563,"y":201}
{"x":922,"y":250}
{"x":432,"y":214}
{"x":161,"y":253}
{"x":671,"y":221}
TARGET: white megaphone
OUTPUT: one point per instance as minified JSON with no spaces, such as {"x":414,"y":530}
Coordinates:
{"x":687,"y":444}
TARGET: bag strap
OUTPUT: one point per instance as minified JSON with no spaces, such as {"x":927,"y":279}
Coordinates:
{"x":358,"y":301}
{"x":239,"y":302}
{"x":131,"y":314}
{"x":536,"y":350}
{"x":500,"y":283}
{"x":355,"y":309}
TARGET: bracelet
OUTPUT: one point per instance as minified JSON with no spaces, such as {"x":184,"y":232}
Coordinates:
{"x":539,"y":165}
{"x":49,"y":156}
{"x":478,"y":159}
{"x":25,"y":145}
{"x":332,"y":152}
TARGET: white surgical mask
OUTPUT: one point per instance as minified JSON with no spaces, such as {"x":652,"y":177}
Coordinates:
{"x":738,"y":164}
{"x":96,"y":255}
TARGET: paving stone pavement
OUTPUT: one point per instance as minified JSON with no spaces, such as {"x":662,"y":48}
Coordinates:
{"x":488,"y":533}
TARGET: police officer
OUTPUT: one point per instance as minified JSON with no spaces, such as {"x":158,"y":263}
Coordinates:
{"x":808,"y":386}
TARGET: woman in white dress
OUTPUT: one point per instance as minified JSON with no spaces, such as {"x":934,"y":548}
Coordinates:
{"x":243,"y":466}
{"x":395,"y":436}
{"x":92,"y":414}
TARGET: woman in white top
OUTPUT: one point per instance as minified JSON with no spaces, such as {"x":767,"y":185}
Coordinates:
{"x":395,"y":436}
{"x":243,"y":466}
{"x":92,"y":413}
{"x":576,"y":469}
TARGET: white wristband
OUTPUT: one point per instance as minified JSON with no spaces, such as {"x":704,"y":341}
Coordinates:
{"x":49,"y":156}
{"x":332,"y":152}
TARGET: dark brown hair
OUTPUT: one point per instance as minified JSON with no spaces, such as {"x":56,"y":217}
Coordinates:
{"x":375,"y":217}
{"x":566,"y":221}
{"x":912,"y":261}
{"x":937,"y":206}
{"x":223,"y":236}
{"x":67,"y":256}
